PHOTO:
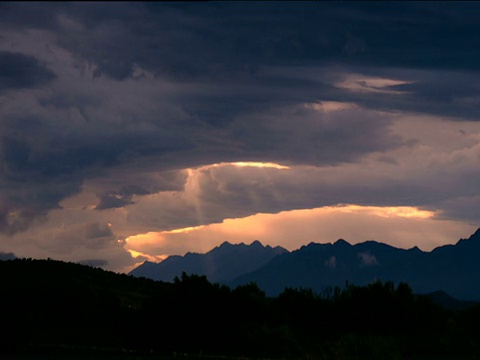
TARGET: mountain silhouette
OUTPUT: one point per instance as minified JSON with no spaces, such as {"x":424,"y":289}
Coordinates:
{"x":318,"y":266}
{"x":222,"y":264}
{"x":7,"y":256}
{"x":454,"y":269}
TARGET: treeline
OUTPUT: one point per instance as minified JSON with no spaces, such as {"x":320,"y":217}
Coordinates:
{"x":54,"y":308}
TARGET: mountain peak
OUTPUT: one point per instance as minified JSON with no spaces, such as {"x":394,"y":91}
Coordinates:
{"x":256,"y":244}
{"x":341,"y":242}
{"x":225,"y":244}
{"x":224,"y":248}
{"x":415,"y":249}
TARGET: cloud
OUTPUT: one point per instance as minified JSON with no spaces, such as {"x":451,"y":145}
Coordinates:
{"x":113,"y":200}
{"x":15,"y":220}
{"x":367,"y":259}
{"x":22,"y":71}
{"x":303,"y":135}
{"x":277,"y":34}
{"x":136,"y":114}
{"x":22,"y":16}
{"x":53,"y":140}
{"x":425,"y":172}
{"x":120,"y":198}
{"x":227,"y":40}
{"x":96,"y":230}
{"x":463,"y":208}
{"x":207,"y":103}
{"x":72,"y":235}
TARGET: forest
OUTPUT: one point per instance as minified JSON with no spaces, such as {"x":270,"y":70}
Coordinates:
{"x":58,"y":309}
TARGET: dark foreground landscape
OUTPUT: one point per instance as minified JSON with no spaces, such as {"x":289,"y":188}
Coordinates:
{"x":57,"y":309}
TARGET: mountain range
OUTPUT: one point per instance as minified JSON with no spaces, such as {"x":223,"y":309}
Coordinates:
{"x":223,"y":264}
{"x":454,"y":269}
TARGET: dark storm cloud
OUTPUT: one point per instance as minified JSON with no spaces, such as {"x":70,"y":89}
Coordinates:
{"x":122,"y":187}
{"x":113,"y":200}
{"x":16,"y":219}
{"x":36,"y":15}
{"x":223,"y":40}
{"x":306,"y":136}
{"x":461,"y":208}
{"x":44,"y":159}
{"x":68,"y":100}
{"x":96,"y":230}
{"x":21,"y":71}
{"x":116,"y":199}
{"x":437,"y":92}
{"x":235,"y":79}
{"x":234,"y":43}
{"x":21,"y":162}
{"x":32,"y":183}
{"x":221,"y":43}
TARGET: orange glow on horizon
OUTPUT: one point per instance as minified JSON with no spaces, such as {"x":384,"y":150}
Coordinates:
{"x":289,"y":229}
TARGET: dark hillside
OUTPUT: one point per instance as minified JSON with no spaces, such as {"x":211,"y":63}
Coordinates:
{"x":58,"y":309}
{"x":53,"y":303}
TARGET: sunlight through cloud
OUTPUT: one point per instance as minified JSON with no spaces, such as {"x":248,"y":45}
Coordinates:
{"x":247,"y":164}
{"x":371,"y":84}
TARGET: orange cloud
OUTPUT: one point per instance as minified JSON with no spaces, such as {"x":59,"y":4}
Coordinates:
{"x":243,"y":164}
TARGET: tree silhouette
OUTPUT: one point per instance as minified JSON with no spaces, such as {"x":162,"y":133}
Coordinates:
{"x":53,"y":308}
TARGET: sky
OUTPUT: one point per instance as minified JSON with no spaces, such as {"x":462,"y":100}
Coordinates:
{"x":133,"y":131}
